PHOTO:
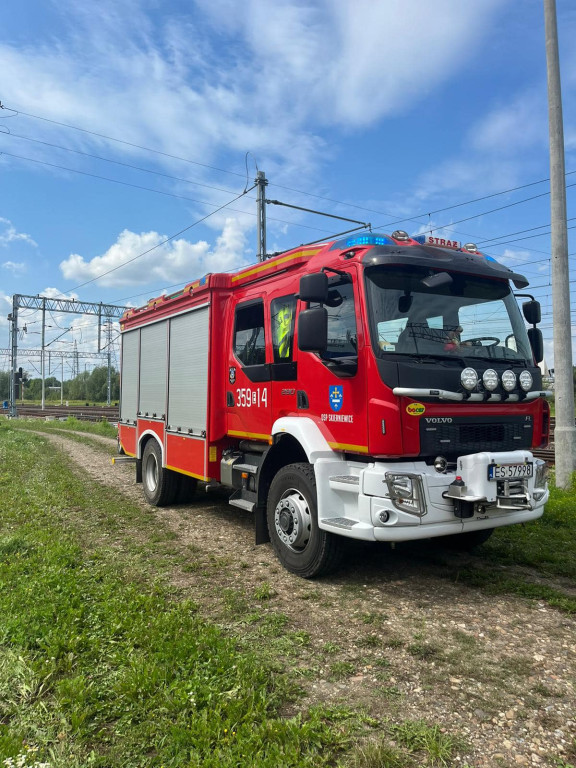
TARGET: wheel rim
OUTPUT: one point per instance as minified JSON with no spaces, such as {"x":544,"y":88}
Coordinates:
{"x":292,"y":520}
{"x":151,"y":472}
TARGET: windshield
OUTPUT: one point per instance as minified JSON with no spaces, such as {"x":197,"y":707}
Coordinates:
{"x":462,"y":316}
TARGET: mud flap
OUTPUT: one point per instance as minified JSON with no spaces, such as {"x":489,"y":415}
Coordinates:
{"x":262,"y":536}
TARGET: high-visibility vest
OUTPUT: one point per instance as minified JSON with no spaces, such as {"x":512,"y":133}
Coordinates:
{"x":284,"y":326}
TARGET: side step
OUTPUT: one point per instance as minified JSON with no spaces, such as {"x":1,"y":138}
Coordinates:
{"x":251,"y":469}
{"x":340,"y":522}
{"x":243,"y":504}
{"x":345,"y":524}
{"x":350,"y":483}
{"x":124,"y":459}
{"x":243,"y":499}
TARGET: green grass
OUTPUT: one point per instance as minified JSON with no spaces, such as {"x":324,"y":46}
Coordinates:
{"x":548,"y":544}
{"x":430,"y":740}
{"x":103,"y":428}
{"x":413,"y":743}
{"x":537,"y":557}
{"x":99,"y":665}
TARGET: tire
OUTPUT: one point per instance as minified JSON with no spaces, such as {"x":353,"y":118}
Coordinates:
{"x":160,"y":485}
{"x":292,"y":516}
{"x":466,"y":541}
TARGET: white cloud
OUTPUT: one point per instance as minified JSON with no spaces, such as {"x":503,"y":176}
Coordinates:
{"x":514,"y":128}
{"x":236,"y":76}
{"x":514,"y":258}
{"x":11,"y":235}
{"x":16,"y":267}
{"x":351,"y":63}
{"x":5,"y":309}
{"x":172,"y":262}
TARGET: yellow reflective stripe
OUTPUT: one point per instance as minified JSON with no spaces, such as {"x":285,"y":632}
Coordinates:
{"x":347,"y":447}
{"x":190,"y":474}
{"x":255,"y":435}
{"x":284,"y":347}
{"x":272,"y":263}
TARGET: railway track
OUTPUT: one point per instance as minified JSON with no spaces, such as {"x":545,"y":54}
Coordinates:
{"x":111,"y":414}
{"x":81,"y":412}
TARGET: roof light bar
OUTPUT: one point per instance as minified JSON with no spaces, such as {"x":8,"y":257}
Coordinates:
{"x":360,"y":240}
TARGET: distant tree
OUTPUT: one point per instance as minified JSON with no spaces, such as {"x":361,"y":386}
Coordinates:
{"x":93,"y":386}
{"x":33,"y":389}
{"x":4,"y":385}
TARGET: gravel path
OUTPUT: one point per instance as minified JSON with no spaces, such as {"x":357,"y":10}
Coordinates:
{"x":390,"y":633}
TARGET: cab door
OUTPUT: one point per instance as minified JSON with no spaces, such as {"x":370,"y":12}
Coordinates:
{"x":248,"y":391}
{"x":287,"y":397}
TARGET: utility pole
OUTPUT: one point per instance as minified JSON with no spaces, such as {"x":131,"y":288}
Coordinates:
{"x":99,"y":324}
{"x":108,"y":345}
{"x":261,"y":183}
{"x":565,"y":432}
{"x":42,"y":367}
{"x":14,"y":355}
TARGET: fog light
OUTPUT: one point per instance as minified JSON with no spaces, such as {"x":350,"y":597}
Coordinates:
{"x":508,"y":380}
{"x":469,"y":378}
{"x":525,"y":380}
{"x":490,"y":379}
{"x":440,"y":464}
{"x":384,"y":516}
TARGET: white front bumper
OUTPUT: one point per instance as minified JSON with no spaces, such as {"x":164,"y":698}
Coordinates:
{"x":354,"y":498}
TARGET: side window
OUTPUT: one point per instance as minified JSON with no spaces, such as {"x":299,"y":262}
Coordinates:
{"x":342,"y":335}
{"x":249,"y":340}
{"x":282,"y":313}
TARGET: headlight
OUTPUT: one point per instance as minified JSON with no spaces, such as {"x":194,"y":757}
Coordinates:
{"x":469,"y":378}
{"x":508,"y":380}
{"x":406,"y":492}
{"x":490,"y":379}
{"x":540,"y":479}
{"x":525,"y":380}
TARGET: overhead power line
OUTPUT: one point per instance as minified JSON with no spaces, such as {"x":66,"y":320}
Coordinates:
{"x":120,"y":162}
{"x":414,"y":217}
{"x":156,"y":191}
{"x":127,"y":143}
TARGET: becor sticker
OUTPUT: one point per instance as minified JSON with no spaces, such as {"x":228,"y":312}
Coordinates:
{"x":415,"y":409}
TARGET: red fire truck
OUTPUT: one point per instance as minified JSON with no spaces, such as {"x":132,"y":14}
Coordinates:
{"x":379,"y":387}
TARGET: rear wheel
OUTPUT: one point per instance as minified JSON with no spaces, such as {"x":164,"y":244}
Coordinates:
{"x":292,"y":514}
{"x":160,"y":484}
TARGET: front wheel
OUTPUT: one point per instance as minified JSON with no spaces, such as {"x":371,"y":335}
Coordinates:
{"x":160,"y":485}
{"x":292,"y":514}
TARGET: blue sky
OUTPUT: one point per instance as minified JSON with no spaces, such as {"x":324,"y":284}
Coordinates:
{"x":376,"y":111}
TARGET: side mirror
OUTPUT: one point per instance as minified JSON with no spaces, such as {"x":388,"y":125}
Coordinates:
{"x":313,"y":329}
{"x":536,"y":341}
{"x":314,"y":287}
{"x":532,"y":312}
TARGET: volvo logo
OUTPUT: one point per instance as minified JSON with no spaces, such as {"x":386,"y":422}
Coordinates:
{"x":439,"y":420}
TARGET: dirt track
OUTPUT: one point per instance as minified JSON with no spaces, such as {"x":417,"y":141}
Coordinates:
{"x":393,"y":632}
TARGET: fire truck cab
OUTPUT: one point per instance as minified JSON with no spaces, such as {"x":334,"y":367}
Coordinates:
{"x":379,"y":387}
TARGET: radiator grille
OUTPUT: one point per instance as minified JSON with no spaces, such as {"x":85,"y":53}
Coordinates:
{"x":471,"y":435}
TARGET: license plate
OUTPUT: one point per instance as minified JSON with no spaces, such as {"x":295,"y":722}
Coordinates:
{"x":509,"y":471}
